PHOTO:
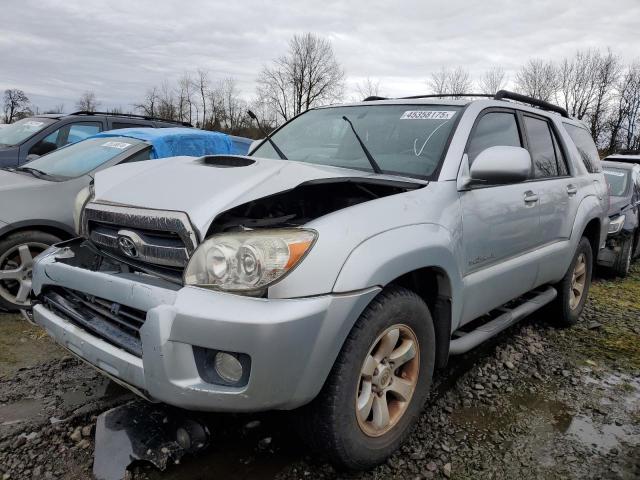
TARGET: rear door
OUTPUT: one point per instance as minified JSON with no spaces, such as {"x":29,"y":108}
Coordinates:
{"x":500,"y":224}
{"x":560,"y":193}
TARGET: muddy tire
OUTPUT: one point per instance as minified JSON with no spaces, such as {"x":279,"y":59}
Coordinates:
{"x":378,"y":384}
{"x":623,"y":261}
{"x":573,"y":289}
{"x":17,"y":252}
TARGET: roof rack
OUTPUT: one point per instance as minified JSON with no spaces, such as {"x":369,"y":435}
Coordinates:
{"x":132,"y":115}
{"x":500,"y":95}
{"x":507,"y":95}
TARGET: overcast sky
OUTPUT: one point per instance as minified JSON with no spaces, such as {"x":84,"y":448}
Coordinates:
{"x":55,"y":50}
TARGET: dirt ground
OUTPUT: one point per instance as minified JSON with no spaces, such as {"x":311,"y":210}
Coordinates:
{"x":536,"y":402}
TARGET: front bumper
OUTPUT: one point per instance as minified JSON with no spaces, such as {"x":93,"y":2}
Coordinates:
{"x":292,"y":343}
{"x":608,"y":255}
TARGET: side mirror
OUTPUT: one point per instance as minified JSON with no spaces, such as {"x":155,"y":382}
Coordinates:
{"x":501,"y":165}
{"x":254,"y":145}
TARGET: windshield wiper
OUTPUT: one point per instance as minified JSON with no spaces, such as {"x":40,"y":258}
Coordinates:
{"x":267,"y":136}
{"x":374,"y":165}
{"x":33,"y":171}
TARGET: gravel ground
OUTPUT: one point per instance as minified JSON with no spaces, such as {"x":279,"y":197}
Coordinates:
{"x":536,"y":402}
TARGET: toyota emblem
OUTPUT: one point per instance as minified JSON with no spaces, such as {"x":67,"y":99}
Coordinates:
{"x":127,"y":246}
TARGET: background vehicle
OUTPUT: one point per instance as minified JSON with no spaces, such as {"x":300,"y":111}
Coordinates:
{"x":37,"y":199}
{"x":34,"y":136}
{"x":623,"y":240}
{"x":335,"y":267}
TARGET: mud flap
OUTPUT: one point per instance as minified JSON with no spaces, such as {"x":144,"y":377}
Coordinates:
{"x":144,"y":432}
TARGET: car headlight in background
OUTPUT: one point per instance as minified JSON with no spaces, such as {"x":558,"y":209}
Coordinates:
{"x":248,"y":261}
{"x":616,"y":224}
{"x":84,"y":196}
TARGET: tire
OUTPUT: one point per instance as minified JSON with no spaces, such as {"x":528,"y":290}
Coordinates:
{"x":16,"y":264}
{"x":331,"y":425}
{"x":622,"y":264}
{"x":564,"y":309}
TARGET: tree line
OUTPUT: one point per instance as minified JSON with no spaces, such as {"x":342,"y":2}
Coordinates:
{"x":595,"y":86}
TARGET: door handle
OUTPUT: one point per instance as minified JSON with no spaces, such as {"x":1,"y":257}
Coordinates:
{"x":571,"y":190}
{"x":530,"y":197}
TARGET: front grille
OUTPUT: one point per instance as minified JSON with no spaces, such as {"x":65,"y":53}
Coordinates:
{"x":117,"y":324}
{"x":159,"y":238}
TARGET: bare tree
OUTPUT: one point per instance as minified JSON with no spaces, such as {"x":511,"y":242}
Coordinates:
{"x":16,"y":105}
{"x":450,"y":81}
{"x":577,"y":82}
{"x":308,"y":75}
{"x":368,"y":88}
{"x":149,"y":104}
{"x":233,"y":106}
{"x":538,"y":79}
{"x":623,"y":122}
{"x":202,"y":87}
{"x":607,"y":75}
{"x":492,"y":80}
{"x":87,"y":102}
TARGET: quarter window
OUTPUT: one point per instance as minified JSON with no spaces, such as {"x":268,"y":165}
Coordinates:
{"x":543,"y":148}
{"x":586,"y":147}
{"x":493,"y":129}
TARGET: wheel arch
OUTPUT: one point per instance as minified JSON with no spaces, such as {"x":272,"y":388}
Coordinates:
{"x":60,"y":230}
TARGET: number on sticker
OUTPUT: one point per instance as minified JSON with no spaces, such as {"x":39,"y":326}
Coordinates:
{"x":427,"y":115}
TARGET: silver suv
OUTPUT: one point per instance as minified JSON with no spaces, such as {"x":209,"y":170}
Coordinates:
{"x":336,"y":267}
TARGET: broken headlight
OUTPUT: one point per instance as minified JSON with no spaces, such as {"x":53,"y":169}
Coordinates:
{"x":616,"y":224}
{"x":248,"y":261}
{"x":84,"y":196}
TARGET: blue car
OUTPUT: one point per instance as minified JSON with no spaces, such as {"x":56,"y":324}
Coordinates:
{"x":37,"y":199}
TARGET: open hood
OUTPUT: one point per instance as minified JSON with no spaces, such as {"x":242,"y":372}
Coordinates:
{"x":208,"y":186}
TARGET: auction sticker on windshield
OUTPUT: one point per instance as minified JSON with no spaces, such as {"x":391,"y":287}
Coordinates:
{"x":427,"y":115}
{"x":119,"y":145}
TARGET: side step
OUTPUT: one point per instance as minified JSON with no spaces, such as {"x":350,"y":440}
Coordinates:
{"x":490,"y":329}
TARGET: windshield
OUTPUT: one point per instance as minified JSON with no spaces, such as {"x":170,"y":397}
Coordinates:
{"x":403,"y":139}
{"x":618,"y":179}
{"x":17,"y":132}
{"x":82,"y":157}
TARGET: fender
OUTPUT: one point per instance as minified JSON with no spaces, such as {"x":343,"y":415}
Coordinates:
{"x":589,"y":209}
{"x":388,"y":255}
{"x":36,"y":224}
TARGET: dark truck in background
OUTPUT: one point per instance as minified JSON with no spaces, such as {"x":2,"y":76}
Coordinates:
{"x":34,"y":136}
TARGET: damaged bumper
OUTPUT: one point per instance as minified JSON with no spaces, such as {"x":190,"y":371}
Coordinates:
{"x":608,"y":255}
{"x":291,"y":343}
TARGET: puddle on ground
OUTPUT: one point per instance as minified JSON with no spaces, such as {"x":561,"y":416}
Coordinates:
{"x":547,"y":417}
{"x":23,"y":345}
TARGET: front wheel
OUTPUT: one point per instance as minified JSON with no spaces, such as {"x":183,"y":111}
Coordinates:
{"x":622,"y":265}
{"x":378,"y":385}
{"x":573,"y":289}
{"x":17,"y":252}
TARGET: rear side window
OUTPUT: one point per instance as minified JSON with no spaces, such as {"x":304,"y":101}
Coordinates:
{"x":545,"y":152}
{"x":587,"y":149}
{"x":493,"y":129}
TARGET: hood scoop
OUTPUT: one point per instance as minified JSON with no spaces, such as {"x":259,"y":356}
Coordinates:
{"x":222,"y":161}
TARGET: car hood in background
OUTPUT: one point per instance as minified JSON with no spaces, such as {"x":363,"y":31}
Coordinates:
{"x":203,"y":190}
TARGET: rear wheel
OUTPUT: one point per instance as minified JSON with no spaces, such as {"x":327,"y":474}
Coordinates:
{"x":17,"y":252}
{"x":378,"y":384}
{"x":573,"y":289}
{"x":622,"y":264}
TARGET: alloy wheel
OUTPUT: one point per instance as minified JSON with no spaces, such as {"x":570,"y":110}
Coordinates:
{"x":388,"y":379}
{"x":16,"y":266}
{"x":578,"y":281}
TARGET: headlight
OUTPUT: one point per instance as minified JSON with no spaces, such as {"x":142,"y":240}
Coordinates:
{"x":616,"y":224}
{"x":248,"y":261}
{"x":84,"y":196}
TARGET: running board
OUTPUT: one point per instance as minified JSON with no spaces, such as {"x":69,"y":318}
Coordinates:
{"x":484,"y":332}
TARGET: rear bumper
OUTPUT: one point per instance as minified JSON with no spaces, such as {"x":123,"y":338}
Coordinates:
{"x":292,"y":343}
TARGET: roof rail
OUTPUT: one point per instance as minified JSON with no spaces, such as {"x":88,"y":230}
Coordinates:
{"x":132,"y":115}
{"x":374,"y":97}
{"x":507,"y":95}
{"x":446,"y":95}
